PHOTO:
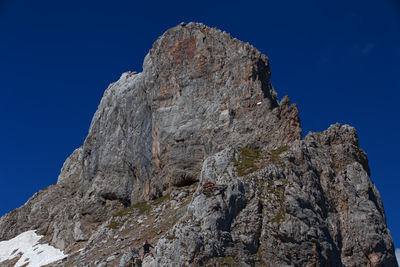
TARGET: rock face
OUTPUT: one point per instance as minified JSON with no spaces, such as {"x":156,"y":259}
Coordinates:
{"x":302,"y":206}
{"x":259,"y":194}
{"x":204,"y":88}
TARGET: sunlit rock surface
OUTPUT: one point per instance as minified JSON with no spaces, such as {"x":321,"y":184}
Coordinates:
{"x":197,"y":155}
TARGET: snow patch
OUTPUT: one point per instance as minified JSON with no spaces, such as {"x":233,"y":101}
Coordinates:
{"x":398,"y":255}
{"x":26,"y":245}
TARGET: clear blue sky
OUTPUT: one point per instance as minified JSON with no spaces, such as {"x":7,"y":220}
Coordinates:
{"x":339,"y":61}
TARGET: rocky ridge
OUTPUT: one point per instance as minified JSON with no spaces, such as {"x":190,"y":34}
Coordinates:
{"x":181,"y":155}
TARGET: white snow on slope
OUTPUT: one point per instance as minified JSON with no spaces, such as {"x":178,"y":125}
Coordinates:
{"x":33,"y":253}
{"x":398,"y":255}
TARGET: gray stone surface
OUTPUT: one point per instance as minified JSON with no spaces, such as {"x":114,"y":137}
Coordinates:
{"x":264,"y":196}
{"x":207,"y":85}
{"x":117,"y":152}
{"x":312,"y":205}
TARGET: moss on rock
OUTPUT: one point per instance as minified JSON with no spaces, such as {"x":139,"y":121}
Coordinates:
{"x":247,"y":160}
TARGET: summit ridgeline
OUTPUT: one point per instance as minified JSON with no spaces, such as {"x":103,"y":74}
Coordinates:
{"x":197,"y":155}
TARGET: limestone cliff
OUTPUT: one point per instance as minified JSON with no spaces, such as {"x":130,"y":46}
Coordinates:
{"x":197,"y":155}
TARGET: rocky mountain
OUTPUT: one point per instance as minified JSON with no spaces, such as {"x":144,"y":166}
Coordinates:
{"x":197,"y":155}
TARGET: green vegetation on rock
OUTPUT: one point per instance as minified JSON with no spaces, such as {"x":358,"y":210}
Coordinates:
{"x":142,"y":207}
{"x":226,"y":261}
{"x":246,"y":163}
{"x":160,"y":200}
{"x":275,"y":154}
{"x":279,"y":192}
{"x":125,"y":211}
{"x":113,"y":225}
{"x":222,"y":261}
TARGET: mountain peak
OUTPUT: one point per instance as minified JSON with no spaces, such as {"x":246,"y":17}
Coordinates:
{"x":196,"y":155}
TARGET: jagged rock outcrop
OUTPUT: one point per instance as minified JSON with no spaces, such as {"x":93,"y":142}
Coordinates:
{"x":226,"y":181}
{"x":197,"y":93}
{"x":207,"y":85}
{"x":302,"y":206}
